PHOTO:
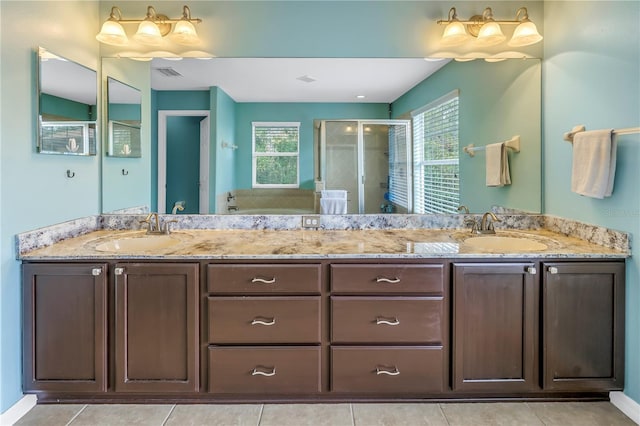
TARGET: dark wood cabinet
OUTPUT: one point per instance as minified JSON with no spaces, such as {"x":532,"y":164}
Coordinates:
{"x":156,"y":327}
{"x":388,"y":328}
{"x":583,"y":326}
{"x":65,"y":327}
{"x":495,"y":327}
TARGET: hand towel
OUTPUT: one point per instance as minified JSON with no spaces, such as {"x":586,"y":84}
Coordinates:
{"x":497,"y":165}
{"x":334,"y":193}
{"x":594,"y":163}
{"x":333,"y":206}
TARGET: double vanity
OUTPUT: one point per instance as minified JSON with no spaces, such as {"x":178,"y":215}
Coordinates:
{"x":352,"y":311}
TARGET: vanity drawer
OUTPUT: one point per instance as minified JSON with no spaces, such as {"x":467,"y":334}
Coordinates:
{"x":290,"y":319}
{"x":263,"y":279}
{"x":387,"y":279}
{"x":386,"y":320}
{"x":273,"y":370}
{"x":416,"y":369}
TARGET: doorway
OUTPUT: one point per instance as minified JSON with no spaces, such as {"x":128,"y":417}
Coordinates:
{"x":370,"y":159}
{"x":183,"y":160}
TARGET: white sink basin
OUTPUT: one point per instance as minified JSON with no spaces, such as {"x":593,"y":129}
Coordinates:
{"x":496,"y":243}
{"x":136,"y":244}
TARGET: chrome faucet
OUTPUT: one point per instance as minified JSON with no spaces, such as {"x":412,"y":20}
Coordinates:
{"x":486,"y":224}
{"x":153,"y":224}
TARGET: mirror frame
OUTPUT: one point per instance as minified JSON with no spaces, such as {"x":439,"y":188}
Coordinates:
{"x":64,"y":134}
{"x":132,"y":128}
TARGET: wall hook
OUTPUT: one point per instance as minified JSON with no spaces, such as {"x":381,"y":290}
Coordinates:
{"x":70,"y":174}
{"x":125,"y":172}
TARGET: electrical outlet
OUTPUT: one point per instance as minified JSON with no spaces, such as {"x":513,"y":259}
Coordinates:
{"x":311,"y":221}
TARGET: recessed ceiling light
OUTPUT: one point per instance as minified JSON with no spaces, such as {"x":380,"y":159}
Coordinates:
{"x":306,"y":78}
{"x":361,"y":96}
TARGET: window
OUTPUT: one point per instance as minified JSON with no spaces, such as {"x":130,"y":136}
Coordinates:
{"x":275,"y":155}
{"x":399,"y":184}
{"x":436,"y":186}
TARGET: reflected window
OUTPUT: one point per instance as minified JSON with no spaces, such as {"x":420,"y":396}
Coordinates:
{"x":436,"y":185}
{"x":275,"y":155}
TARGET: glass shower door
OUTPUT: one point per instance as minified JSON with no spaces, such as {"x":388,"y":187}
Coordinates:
{"x":341,"y":160}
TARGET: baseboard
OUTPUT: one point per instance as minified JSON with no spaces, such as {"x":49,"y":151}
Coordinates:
{"x":627,"y":405}
{"x":18,"y":410}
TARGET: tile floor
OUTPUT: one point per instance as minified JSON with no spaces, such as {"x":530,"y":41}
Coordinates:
{"x":472,"y":414}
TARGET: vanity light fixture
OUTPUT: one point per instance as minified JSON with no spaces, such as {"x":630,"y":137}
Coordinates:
{"x":487,"y":31}
{"x":151,"y":29}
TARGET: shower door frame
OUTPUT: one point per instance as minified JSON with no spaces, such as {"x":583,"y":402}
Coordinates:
{"x":360,"y":154}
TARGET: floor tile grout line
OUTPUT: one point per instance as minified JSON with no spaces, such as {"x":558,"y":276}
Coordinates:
{"x":164,"y":422}
{"x":443,"y":414}
{"x":260,"y":414}
{"x":535,"y":413}
{"x":353,"y":416}
{"x":77,"y":414}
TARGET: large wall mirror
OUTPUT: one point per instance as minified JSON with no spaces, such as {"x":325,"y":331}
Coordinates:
{"x":124,"y":109}
{"x":67,"y":106}
{"x":496,"y":101}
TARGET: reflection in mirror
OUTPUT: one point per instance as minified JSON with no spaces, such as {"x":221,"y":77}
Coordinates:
{"x":66,"y":99}
{"x":496,"y":101}
{"x":124,"y":118}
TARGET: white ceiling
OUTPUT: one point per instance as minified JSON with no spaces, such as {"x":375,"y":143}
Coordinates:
{"x":380,"y":80}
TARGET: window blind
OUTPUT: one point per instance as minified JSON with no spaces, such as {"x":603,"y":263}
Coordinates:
{"x":398,"y":166}
{"x":275,"y":154}
{"x":435,"y":156}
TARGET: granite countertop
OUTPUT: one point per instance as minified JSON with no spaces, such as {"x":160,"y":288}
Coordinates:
{"x":192,"y":244}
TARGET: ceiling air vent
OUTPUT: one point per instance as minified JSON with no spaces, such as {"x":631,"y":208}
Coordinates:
{"x":168,"y":72}
{"x":306,"y":78}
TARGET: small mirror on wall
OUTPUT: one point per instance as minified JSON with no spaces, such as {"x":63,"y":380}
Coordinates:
{"x":123,"y":112}
{"x":67,"y":106}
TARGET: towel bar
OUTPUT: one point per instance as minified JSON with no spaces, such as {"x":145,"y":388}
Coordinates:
{"x":580,"y":128}
{"x":513,"y":144}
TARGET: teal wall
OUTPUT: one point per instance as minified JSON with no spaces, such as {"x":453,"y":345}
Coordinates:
{"x":65,"y":108}
{"x":223,"y":175}
{"x":591,"y":76}
{"x":124,"y":112}
{"x":129,"y":188}
{"x":170,"y":100}
{"x":35,"y":190}
{"x":183,"y":174}
{"x":304,"y":113}
{"x":496,"y":101}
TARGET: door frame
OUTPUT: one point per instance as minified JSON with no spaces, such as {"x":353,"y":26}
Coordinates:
{"x":162,"y":150}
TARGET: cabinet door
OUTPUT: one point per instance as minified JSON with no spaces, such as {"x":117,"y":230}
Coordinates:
{"x":495,"y":327}
{"x":583,"y":320}
{"x":156,"y":327}
{"x":65,"y":327}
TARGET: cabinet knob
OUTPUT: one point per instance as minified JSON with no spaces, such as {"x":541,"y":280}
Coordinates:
{"x":264,"y":280}
{"x":532,"y":270}
{"x":96,"y":272}
{"x":118,"y":271}
{"x":394,"y":280}
{"x":263,"y":321}
{"x":389,"y":371}
{"x":387,"y":321}
{"x":552,"y":270}
{"x":263,"y":371}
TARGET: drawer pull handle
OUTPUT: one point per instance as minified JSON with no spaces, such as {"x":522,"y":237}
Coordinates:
{"x":263,"y":280}
{"x":263,"y":321}
{"x":389,"y":371}
{"x":394,"y":280}
{"x":264,"y":371}
{"x":386,"y":321}
{"x":553,"y":270}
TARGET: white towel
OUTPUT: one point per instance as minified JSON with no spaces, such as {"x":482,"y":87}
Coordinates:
{"x":333,"y":206}
{"x":594,"y":163}
{"x":334,"y":193}
{"x":497,"y":165}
